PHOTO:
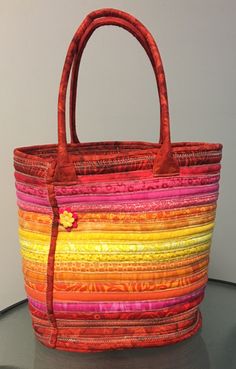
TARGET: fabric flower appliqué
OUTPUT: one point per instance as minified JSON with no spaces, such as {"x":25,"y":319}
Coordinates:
{"x":68,"y":219}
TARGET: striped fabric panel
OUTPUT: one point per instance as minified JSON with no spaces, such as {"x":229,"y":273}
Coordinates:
{"x":132,"y":272}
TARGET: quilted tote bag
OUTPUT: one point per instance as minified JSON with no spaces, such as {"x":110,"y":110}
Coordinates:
{"x":115,"y":236}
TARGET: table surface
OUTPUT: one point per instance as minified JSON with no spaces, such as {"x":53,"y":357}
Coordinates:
{"x":213,"y":347}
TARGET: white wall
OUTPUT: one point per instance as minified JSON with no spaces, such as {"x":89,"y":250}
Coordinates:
{"x":117,"y":96}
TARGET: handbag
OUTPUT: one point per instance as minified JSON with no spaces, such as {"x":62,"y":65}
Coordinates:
{"x":115,"y":236}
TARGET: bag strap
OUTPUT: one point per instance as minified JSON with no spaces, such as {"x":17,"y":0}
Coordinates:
{"x":164,"y":163}
{"x":76,"y":64}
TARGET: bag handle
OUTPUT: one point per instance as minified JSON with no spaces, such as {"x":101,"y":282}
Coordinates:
{"x":76,"y":64}
{"x":164,"y":163}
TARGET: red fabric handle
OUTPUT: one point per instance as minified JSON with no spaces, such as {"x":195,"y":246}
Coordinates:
{"x":164,"y":163}
{"x":76,"y":64}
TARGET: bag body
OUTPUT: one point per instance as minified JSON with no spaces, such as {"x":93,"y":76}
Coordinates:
{"x":115,"y":236}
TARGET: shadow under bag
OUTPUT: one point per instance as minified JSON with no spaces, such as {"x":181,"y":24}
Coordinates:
{"x":115,"y":236}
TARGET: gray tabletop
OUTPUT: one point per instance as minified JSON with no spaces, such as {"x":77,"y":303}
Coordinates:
{"x":214,"y":347}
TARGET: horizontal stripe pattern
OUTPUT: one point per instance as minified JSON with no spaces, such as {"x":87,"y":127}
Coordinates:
{"x":135,"y":266}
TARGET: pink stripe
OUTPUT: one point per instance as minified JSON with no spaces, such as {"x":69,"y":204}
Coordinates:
{"x":147,"y":195}
{"x":32,"y":199}
{"x":34,"y":208}
{"x":128,"y":207}
{"x":117,"y":306}
{"x":31,"y":190}
{"x":145,"y":205}
{"x":137,"y":185}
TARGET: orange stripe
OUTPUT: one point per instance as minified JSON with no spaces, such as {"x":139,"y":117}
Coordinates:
{"x":101,"y":226}
{"x":106,"y":276}
{"x":119,"y":286}
{"x":127,"y":217}
{"x":124,"y":296}
{"x":120,"y":267}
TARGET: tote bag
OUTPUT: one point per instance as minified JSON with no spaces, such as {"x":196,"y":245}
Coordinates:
{"x":115,"y":236}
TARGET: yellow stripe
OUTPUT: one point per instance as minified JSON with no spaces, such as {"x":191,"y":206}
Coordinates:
{"x":94,"y":247}
{"x":128,"y":236}
{"x":117,"y":256}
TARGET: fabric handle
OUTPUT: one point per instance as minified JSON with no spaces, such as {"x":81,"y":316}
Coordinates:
{"x":164,"y":164}
{"x":76,"y":64}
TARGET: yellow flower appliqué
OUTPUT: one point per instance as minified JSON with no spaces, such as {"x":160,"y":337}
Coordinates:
{"x":68,"y":219}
